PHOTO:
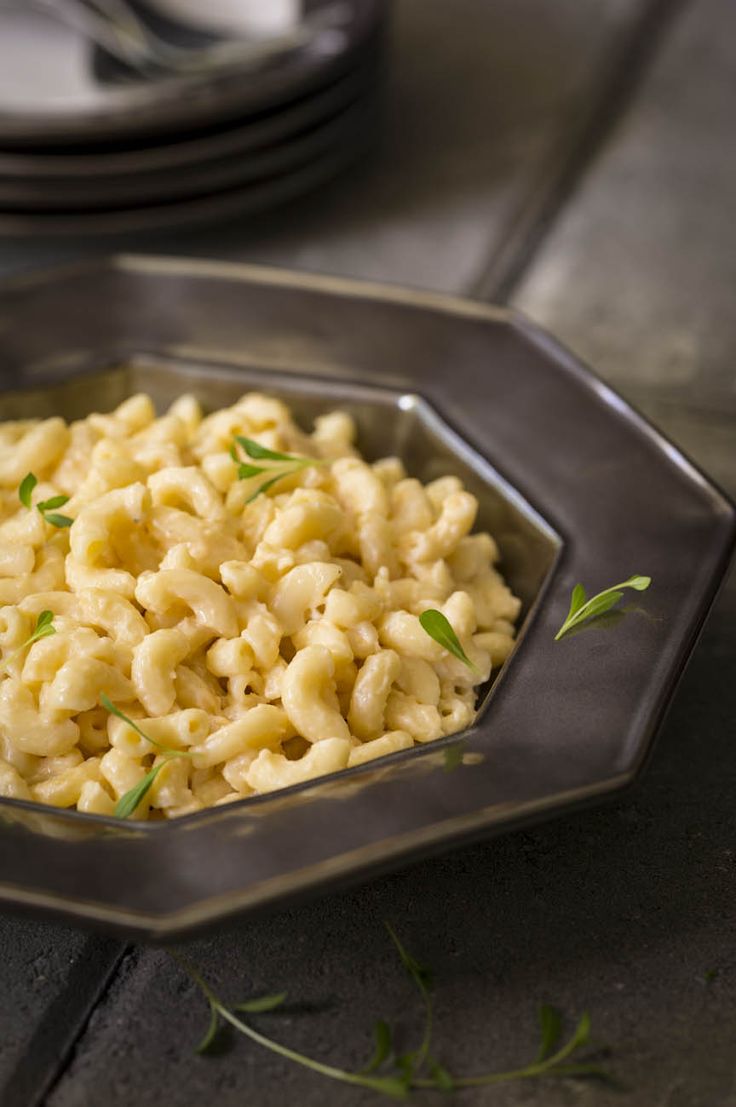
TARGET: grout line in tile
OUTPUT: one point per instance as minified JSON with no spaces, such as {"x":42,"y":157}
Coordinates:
{"x":50,"y":1049}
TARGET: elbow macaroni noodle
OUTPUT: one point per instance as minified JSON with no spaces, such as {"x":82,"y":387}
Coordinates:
{"x":274,"y":640}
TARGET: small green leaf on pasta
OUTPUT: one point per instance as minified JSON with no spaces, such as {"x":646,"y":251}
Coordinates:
{"x":438,"y":627}
{"x":25,"y":491}
{"x":245,"y":471}
{"x":110,"y":706}
{"x":264,"y":487}
{"x":43,"y":628}
{"x":50,"y":504}
{"x":60,"y":521}
{"x":256,"y":450}
{"x":128,"y":802}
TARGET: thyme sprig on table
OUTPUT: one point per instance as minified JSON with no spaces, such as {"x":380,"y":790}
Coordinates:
{"x":45,"y":507}
{"x":582,"y":608}
{"x":130,"y":800}
{"x":276,"y":468}
{"x":406,"y":1072}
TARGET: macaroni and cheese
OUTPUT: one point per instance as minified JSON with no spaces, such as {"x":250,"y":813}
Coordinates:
{"x":272,"y":635}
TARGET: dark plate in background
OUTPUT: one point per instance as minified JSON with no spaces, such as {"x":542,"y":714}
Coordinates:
{"x":243,"y":200}
{"x":187,"y":148}
{"x":574,"y":484}
{"x":82,"y":199}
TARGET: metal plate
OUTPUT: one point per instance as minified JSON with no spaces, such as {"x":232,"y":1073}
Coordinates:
{"x":241,"y":201}
{"x":576,"y":485}
{"x":52,"y":93}
{"x":177,"y":151}
{"x":211,"y":175}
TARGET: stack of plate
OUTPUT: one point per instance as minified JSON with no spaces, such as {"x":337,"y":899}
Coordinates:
{"x":90,"y":145}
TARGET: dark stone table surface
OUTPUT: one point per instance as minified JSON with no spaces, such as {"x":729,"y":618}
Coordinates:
{"x":578,"y":159}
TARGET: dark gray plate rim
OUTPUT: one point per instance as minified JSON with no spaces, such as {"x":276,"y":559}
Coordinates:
{"x":239,"y":200}
{"x":174,"y":151}
{"x":89,"y":199}
{"x":567,"y":723}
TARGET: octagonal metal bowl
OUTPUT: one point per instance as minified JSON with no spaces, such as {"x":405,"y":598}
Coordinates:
{"x":574,"y":485}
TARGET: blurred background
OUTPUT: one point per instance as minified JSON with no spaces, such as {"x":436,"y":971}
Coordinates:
{"x":577,"y":160}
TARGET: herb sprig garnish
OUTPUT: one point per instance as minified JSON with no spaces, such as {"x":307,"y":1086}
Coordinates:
{"x":129,"y":801}
{"x":416,"y":1070}
{"x":46,"y":507}
{"x":582,"y":608}
{"x":43,"y":629}
{"x":439,"y":627}
{"x":281,"y":465}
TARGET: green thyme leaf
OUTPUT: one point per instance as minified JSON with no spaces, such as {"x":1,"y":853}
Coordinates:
{"x":110,"y":706}
{"x":42,"y":629}
{"x":582,"y":609}
{"x":441,"y":1076}
{"x":286,"y":464}
{"x":59,"y":520}
{"x":129,"y":801}
{"x":387,"y":1085}
{"x":581,"y":1035}
{"x":550,"y":1030}
{"x":577,"y":600}
{"x":382,"y":1036}
{"x":639,"y":584}
{"x":25,"y":492}
{"x":245,"y":471}
{"x":418,"y":1070}
{"x":265,"y":487}
{"x":405,"y":1065}
{"x":392,"y":1086}
{"x":601,"y":604}
{"x":261,"y":1003}
{"x":210,"y":1033}
{"x":421,"y":975}
{"x":50,"y":504}
{"x":45,"y":632}
{"x":29,"y":482}
{"x":256,"y":450}
{"x":439,"y":628}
